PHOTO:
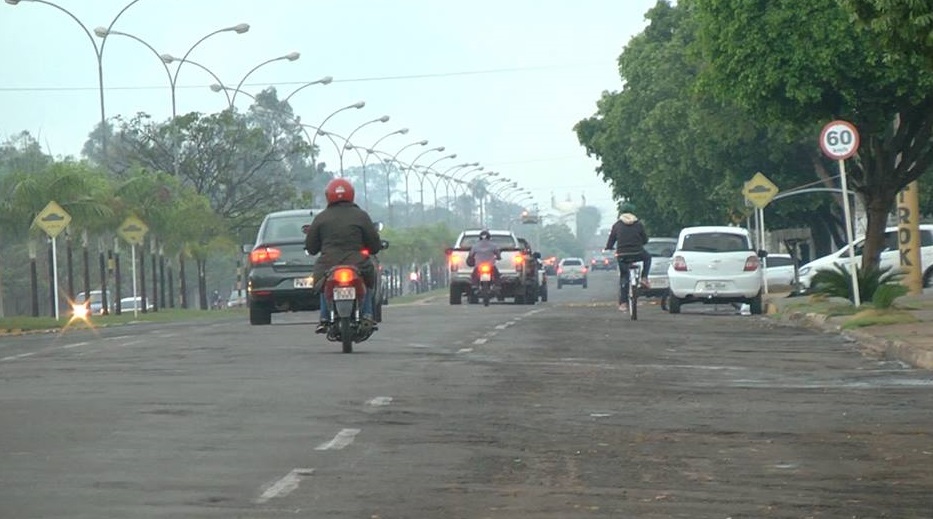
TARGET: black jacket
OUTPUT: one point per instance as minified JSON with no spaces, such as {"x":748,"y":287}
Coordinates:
{"x":628,"y":235}
{"x":340,"y":233}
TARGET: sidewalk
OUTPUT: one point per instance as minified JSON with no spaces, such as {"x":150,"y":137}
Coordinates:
{"x":908,"y":342}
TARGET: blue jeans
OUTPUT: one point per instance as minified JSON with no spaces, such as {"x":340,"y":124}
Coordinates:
{"x":365,"y":311}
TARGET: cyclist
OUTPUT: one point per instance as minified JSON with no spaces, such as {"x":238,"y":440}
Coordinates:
{"x":628,"y":238}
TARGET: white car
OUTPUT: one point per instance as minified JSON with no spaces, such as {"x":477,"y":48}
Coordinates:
{"x":779,"y":270}
{"x":890,"y":256}
{"x":571,"y":271}
{"x":715,"y":264}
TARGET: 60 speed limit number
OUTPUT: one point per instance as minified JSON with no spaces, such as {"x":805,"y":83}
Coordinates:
{"x":839,"y":140}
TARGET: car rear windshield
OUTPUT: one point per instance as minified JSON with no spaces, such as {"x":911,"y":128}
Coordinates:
{"x":503,"y":241}
{"x":715,"y":242}
{"x":779,"y":261}
{"x":572,"y":263}
{"x":661,"y":249}
{"x":285,"y":229}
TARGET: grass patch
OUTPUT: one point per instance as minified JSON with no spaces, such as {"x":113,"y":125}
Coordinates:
{"x":874,"y":317}
{"x":822,"y":306}
{"x":162,"y":316}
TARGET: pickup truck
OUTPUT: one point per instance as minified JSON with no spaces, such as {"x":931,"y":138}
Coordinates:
{"x":516,"y":281}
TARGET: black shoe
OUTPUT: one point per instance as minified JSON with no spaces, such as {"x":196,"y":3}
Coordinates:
{"x":367,"y":321}
{"x":322,"y":327}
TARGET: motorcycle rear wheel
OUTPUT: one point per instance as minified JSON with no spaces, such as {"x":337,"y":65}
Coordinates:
{"x":345,"y":334}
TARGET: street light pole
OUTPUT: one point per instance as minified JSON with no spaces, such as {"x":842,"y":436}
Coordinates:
{"x":394,"y":161}
{"x":98,"y":54}
{"x":357,"y":105}
{"x":408,"y":170}
{"x":421,"y":181}
{"x":291,"y":56}
{"x":372,"y":151}
{"x":384,"y":118}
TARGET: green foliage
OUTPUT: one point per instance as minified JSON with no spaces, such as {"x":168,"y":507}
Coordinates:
{"x":558,"y":240}
{"x":837,"y":282}
{"x":886,"y":293}
{"x":417,"y":244}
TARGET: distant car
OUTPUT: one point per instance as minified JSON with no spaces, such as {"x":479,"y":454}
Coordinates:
{"x":890,"y":257}
{"x":603,"y":261}
{"x":571,"y":271}
{"x":237,"y":298}
{"x":661,"y":250}
{"x":96,"y":301}
{"x":279,"y":271}
{"x":130,"y":304}
{"x":715,"y":264}
{"x":779,"y":270}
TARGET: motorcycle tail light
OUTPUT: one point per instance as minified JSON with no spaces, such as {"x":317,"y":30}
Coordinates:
{"x":485,"y":269}
{"x":344,"y":276}
{"x":365,"y":253}
{"x":680,"y":264}
{"x":264,"y":255}
{"x":751,"y":264}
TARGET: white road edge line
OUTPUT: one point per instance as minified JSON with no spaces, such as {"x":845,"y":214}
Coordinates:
{"x":75,"y":345}
{"x":284,"y":486}
{"x":465,"y":350}
{"x":343,"y":438}
{"x":481,"y":340}
{"x":379,"y":401}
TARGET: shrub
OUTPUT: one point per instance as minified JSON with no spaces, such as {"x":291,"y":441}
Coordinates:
{"x":886,"y":293}
{"x":837,"y":282}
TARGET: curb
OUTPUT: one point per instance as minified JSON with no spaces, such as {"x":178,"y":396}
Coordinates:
{"x":890,"y":349}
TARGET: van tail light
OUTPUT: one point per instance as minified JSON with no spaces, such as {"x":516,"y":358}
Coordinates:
{"x":344,"y":276}
{"x":679,"y":263}
{"x":264,"y":255}
{"x":752,"y":263}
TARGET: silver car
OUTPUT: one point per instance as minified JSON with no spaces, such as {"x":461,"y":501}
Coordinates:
{"x":571,"y":271}
{"x":661,"y":250}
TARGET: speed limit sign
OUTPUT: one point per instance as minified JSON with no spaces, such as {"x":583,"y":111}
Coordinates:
{"x":839,"y":140}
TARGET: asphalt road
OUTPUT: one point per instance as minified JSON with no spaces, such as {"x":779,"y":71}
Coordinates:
{"x":562,"y":409}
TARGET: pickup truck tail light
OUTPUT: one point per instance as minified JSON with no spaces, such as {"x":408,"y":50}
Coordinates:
{"x":264,"y":255}
{"x":454,"y":262}
{"x":751,"y":264}
{"x":560,"y":270}
{"x":518,"y":259}
{"x":679,"y":264}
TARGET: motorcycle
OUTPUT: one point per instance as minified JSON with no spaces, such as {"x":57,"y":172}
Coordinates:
{"x":344,"y":291}
{"x":485,"y":273}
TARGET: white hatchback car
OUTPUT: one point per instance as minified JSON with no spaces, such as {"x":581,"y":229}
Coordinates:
{"x":715,"y":264}
{"x":890,"y":256}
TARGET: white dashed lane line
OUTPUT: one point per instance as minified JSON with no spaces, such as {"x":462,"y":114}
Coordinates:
{"x":284,"y":486}
{"x":343,"y":439}
{"x":379,"y":401}
{"x":481,"y":340}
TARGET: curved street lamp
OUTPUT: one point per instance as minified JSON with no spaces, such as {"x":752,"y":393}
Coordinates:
{"x":291,"y":56}
{"x":394,"y":160}
{"x":408,"y":170}
{"x":430,"y":167}
{"x":357,"y":105}
{"x":383,"y":119}
{"x":98,"y":54}
{"x":372,"y":151}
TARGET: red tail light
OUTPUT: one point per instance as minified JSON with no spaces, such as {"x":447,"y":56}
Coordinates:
{"x":264,"y":255}
{"x":679,"y":263}
{"x":751,"y":264}
{"x":519,"y":259}
{"x":485,"y":268}
{"x":344,"y":276}
{"x":560,"y":270}
{"x":365,"y":252}
{"x":584,"y":270}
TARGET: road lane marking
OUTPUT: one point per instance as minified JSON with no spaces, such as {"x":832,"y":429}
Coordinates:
{"x":75,"y":345}
{"x":343,"y":439}
{"x":379,"y":401}
{"x":465,"y":350}
{"x":481,"y":340}
{"x":132,"y":342}
{"x":17,"y":357}
{"x":285,"y":485}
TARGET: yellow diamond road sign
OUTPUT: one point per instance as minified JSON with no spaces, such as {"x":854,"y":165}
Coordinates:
{"x":53,"y":219}
{"x":133,"y":230}
{"x":759,"y":190}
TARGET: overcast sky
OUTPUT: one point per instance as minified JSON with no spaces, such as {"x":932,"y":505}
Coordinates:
{"x":499,"y":82}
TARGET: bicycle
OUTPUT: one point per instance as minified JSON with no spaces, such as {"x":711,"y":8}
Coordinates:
{"x":629,"y":291}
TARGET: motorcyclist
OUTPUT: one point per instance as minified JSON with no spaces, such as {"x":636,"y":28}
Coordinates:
{"x":628,"y":238}
{"x":484,"y":251}
{"x":343,"y":234}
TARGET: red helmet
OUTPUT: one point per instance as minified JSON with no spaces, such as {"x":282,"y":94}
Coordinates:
{"x":339,"y":190}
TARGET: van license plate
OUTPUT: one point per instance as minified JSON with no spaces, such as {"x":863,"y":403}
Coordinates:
{"x":344,"y":293}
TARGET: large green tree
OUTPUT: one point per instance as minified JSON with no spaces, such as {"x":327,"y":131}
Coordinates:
{"x":800,"y":65}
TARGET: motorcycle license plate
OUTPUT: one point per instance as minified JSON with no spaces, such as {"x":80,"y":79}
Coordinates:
{"x":307,"y":282}
{"x":485,"y":277}
{"x":344,"y":293}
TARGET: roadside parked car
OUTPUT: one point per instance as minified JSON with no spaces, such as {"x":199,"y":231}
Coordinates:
{"x":95,"y":302}
{"x":890,"y":256}
{"x":571,"y":271}
{"x":661,"y":250}
{"x":715,"y":264}
{"x":779,"y":270}
{"x":129,"y":304}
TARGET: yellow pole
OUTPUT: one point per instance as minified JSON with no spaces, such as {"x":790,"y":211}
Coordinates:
{"x":908,"y":237}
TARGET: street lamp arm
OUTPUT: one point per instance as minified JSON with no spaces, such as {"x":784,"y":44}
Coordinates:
{"x":290,"y":57}
{"x":114,"y":21}
{"x":171,"y":80}
{"x":239,"y":29}
{"x":326,"y":80}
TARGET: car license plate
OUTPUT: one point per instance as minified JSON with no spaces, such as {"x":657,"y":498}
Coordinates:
{"x":485,"y":277}
{"x":659,"y":283}
{"x":344,"y":293}
{"x":715,"y":285}
{"x":307,"y":282}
